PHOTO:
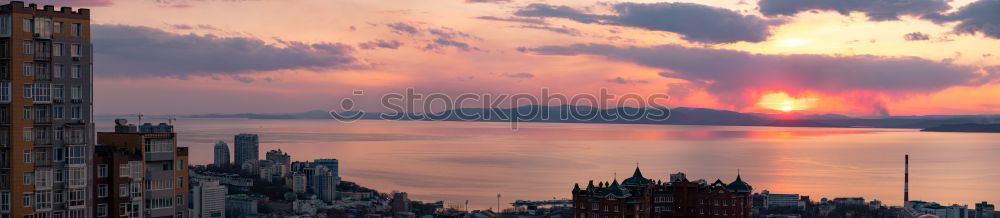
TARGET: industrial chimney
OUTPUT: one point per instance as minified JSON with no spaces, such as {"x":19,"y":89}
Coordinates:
{"x":906,"y":181}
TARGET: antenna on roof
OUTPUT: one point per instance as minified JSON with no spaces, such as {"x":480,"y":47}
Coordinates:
{"x":171,"y":120}
{"x":139,"y":115}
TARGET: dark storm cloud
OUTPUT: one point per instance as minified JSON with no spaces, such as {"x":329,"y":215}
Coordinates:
{"x":878,"y":10}
{"x":71,"y":3}
{"x":982,"y":16}
{"x":390,"y":44}
{"x":916,"y":36}
{"x":514,"y":19}
{"x":136,"y":51}
{"x":694,"y":22}
{"x":732,"y":74}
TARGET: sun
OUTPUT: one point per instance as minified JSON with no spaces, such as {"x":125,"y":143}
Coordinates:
{"x":781,"y":101}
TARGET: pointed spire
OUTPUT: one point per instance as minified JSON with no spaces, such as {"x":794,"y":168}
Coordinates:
{"x":637,"y":173}
{"x":576,"y":188}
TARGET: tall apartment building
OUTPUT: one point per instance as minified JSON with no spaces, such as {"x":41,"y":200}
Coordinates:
{"x":46,"y":130}
{"x":331,"y":164}
{"x":221,"y":154}
{"x":245,"y":147}
{"x":282,"y":162}
{"x":325,"y":183}
{"x":119,"y":182}
{"x":208,"y":200}
{"x":162,"y":174}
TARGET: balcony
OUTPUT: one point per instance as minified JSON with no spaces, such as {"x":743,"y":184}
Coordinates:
{"x":43,"y":56}
{"x":43,"y":75}
{"x":43,"y":120}
{"x":43,"y":51}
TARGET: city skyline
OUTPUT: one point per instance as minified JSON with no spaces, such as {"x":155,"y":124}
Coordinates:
{"x":927,"y":57}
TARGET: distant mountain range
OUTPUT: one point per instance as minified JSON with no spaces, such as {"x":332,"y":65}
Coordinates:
{"x":968,"y":127}
{"x":678,"y":116}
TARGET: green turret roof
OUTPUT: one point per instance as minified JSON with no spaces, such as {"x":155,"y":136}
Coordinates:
{"x":637,"y":179}
{"x":739,"y":186}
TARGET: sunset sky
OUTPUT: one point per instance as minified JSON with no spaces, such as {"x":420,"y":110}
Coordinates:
{"x":860,"y":58}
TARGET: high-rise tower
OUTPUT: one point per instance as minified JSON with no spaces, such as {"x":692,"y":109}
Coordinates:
{"x":46,"y":130}
{"x":246,"y":147}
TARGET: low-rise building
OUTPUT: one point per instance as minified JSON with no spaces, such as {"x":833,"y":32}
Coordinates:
{"x":772,"y":200}
{"x":638,"y":196}
{"x":241,"y":205}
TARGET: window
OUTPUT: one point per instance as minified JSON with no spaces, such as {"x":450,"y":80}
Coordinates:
{"x":58,"y":70}
{"x":58,"y":113}
{"x":28,"y":26}
{"x":122,"y":190}
{"x":76,"y":137}
{"x":27,"y":113}
{"x":28,"y":47}
{"x":159,"y":145}
{"x":59,"y":135}
{"x":5,"y":91}
{"x":76,"y":197}
{"x":43,"y":200}
{"x":57,"y":49}
{"x":5,"y":200}
{"x":102,"y":171}
{"x":26,"y":91}
{"x":75,"y":29}
{"x":58,"y":90}
{"x":26,"y":134}
{"x":59,"y":178}
{"x":42,"y":92}
{"x":26,"y":200}
{"x":75,"y":50}
{"x":102,"y":190}
{"x":29,"y":178}
{"x":77,"y":113}
{"x":180,"y":182}
{"x":57,"y":154}
{"x":75,"y":155}
{"x":27,"y":68}
{"x":58,"y":196}
{"x":74,"y":72}
{"x":77,"y":176}
{"x":57,"y":27}
{"x":76,"y":92}
{"x":102,"y":210}
{"x":123,"y":171}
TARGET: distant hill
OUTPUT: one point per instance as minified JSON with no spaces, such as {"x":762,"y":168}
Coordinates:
{"x":967,"y":127}
{"x":678,"y":116}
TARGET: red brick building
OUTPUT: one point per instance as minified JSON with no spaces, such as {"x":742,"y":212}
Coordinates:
{"x":639,"y":197}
